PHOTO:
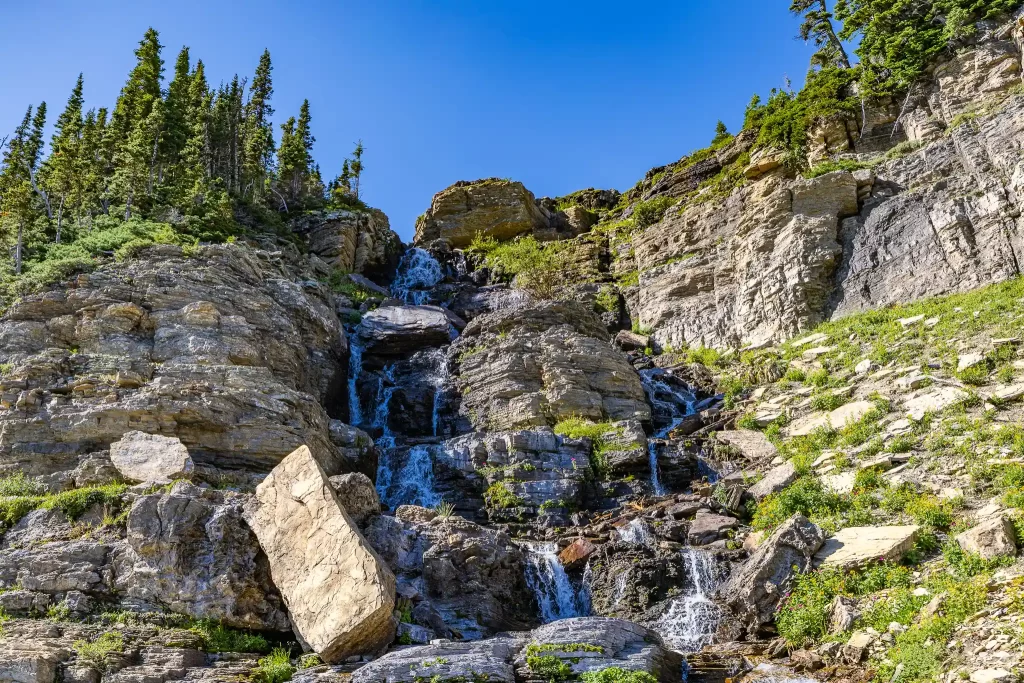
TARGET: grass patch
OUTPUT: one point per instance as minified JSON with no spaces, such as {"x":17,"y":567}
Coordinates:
{"x":274,"y":668}
{"x":219,"y":638}
{"x":616,"y":674}
{"x":94,"y":652}
{"x":500,"y":496}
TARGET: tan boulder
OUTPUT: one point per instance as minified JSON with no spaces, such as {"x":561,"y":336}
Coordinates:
{"x":856,"y":546}
{"x":340,"y":595}
{"x":992,"y":538}
{"x":151,"y":458}
{"x":492,"y":207}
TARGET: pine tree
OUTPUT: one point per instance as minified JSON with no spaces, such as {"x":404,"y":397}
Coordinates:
{"x":16,"y":189}
{"x":817,"y":27}
{"x":195,"y":155}
{"x":356,"y":167}
{"x":176,"y":124}
{"x":295,"y":157}
{"x":60,"y":174}
{"x":142,"y":89}
{"x":258,"y":134}
{"x":721,"y":133}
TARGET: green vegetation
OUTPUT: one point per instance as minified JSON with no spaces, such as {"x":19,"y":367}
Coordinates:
{"x":500,"y":496}
{"x":219,"y":638}
{"x":274,"y":668}
{"x":538,"y":267}
{"x":340,"y":283}
{"x":647,"y":213}
{"x":94,"y":652}
{"x":602,"y":438}
{"x":549,"y":667}
{"x":535,"y":649}
{"x":615,"y":674}
{"x":73,"y":503}
{"x":172,"y":162}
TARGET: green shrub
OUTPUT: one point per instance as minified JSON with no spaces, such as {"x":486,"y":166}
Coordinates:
{"x":18,"y":484}
{"x":806,"y":496}
{"x":274,"y":668}
{"x":538,"y":267}
{"x":499,"y":496}
{"x":94,"y":652}
{"x":550,"y":668}
{"x":615,"y":674}
{"x":649,"y":212}
{"x":828,"y":401}
{"x":219,"y":638}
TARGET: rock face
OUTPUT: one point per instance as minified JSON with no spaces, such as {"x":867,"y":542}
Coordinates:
{"x":538,"y":365}
{"x":611,"y":643}
{"x":151,"y":458}
{"x":496,"y":208}
{"x":231,"y":350}
{"x":352,"y":241}
{"x":190,"y":551}
{"x":396,"y":330}
{"x":357,"y":495}
{"x":775,"y":480}
{"x":753,"y":591}
{"x":779,"y":255}
{"x":339,"y":593}
{"x":474,"y":577}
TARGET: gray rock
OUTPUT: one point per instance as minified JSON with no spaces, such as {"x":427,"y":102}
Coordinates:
{"x":990,"y":539}
{"x":753,"y":591}
{"x":151,"y":458}
{"x":774,"y":481}
{"x":357,"y":495}
{"x":707,"y":528}
{"x":396,"y":330}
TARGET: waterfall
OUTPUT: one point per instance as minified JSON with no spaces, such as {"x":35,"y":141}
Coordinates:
{"x":636,"y":533}
{"x":381,"y":420}
{"x":692,"y":619}
{"x":670,"y":406}
{"x":418,"y":271}
{"x":355,"y":368}
{"x":546,"y":577}
{"x":413,"y":484}
{"x":442,"y":371}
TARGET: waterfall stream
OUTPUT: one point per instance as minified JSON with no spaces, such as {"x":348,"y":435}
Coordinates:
{"x":413,"y":483}
{"x":556,"y":595}
{"x":417,"y":273}
{"x":692,"y":619}
{"x":636,"y":533}
{"x":670,"y":406}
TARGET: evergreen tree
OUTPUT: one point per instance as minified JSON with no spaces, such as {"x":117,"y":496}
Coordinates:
{"x":176,"y":112}
{"x":295,"y":158}
{"x":356,"y":167}
{"x":16,"y":190}
{"x":817,"y":27}
{"x":142,"y":89}
{"x":721,"y":133}
{"x":259,"y":135}
{"x":60,"y":175}
{"x":196,"y":162}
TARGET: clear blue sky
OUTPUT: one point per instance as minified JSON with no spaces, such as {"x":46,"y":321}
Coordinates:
{"x":559,"y":95}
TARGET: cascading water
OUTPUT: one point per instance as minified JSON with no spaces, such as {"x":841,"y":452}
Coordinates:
{"x":442,"y":371}
{"x":381,"y":420}
{"x":355,"y":368}
{"x":691,"y":620}
{"x":669,"y":405}
{"x":636,"y":532}
{"x":418,"y":271}
{"x":556,"y":595}
{"x":413,"y":484}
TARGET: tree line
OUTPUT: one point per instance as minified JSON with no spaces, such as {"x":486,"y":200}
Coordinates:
{"x":187,"y":149}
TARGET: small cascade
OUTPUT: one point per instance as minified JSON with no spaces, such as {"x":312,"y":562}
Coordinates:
{"x":669,"y":407}
{"x":691,"y":620}
{"x":442,"y":371}
{"x":355,"y":368}
{"x":556,"y":595}
{"x":418,"y":271}
{"x":381,"y":420}
{"x":413,"y":484}
{"x":636,"y":533}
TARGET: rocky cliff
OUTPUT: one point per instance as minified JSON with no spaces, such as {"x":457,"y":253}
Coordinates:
{"x":537,"y":455}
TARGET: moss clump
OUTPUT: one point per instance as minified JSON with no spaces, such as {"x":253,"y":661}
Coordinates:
{"x":602,"y":437}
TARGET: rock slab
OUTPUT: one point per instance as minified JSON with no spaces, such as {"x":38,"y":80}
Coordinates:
{"x":339,"y":594}
{"x":992,"y":538}
{"x":855,"y":546}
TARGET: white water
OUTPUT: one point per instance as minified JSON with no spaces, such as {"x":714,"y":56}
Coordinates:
{"x":691,"y":620}
{"x":556,"y":595}
{"x":418,"y":271}
{"x":636,"y":532}
{"x":676,"y":404}
{"x":413,"y":484}
{"x":355,"y":368}
{"x":442,"y":371}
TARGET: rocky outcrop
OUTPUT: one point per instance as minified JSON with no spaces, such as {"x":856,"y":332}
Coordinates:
{"x":189,"y":551}
{"x":474,"y":577}
{"x":581,"y":645}
{"x":397,"y":330}
{"x":358,"y":241}
{"x":493,"y":207}
{"x":232,"y":350}
{"x":538,"y":365}
{"x":779,"y":255}
{"x":339,"y":594}
{"x":633,"y":581}
{"x":755,"y":588}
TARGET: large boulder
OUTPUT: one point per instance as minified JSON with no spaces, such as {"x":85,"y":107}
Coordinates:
{"x":581,"y":645}
{"x":774,"y":481}
{"x":755,"y":588}
{"x":493,"y":207}
{"x":992,"y":538}
{"x":357,"y":495}
{"x":854,"y":547}
{"x":189,"y":551}
{"x":151,"y":458}
{"x":339,"y":593}
{"x":352,"y":241}
{"x":396,"y":330}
